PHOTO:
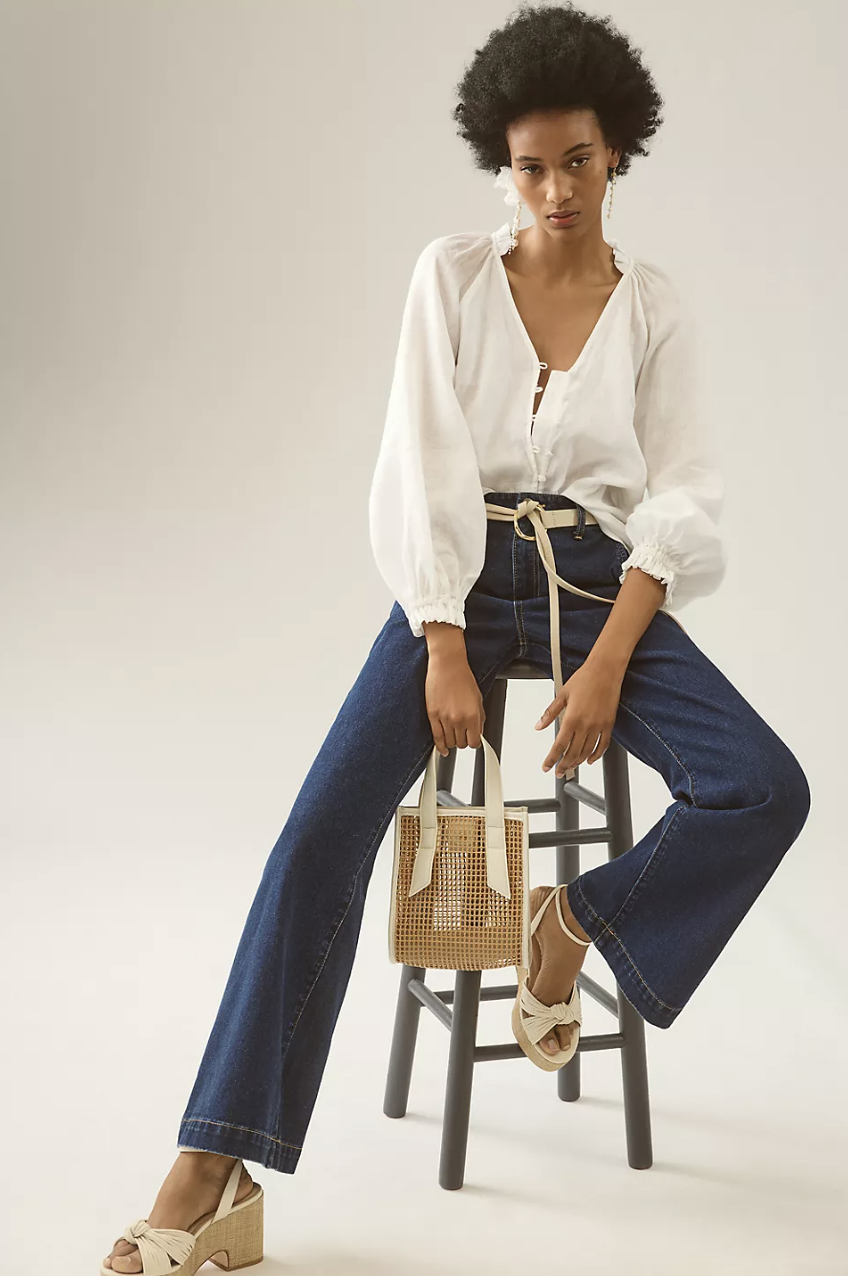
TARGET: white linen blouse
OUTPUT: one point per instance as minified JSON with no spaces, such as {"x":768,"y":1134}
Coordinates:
{"x":622,"y":432}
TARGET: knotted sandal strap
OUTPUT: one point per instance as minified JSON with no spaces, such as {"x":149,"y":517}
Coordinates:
{"x":158,"y":1245}
{"x":538,"y":1020}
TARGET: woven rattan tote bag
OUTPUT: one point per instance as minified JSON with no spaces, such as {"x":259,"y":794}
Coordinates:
{"x":460,"y":896}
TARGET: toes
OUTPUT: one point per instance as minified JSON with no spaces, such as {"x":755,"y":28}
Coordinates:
{"x":564,"y":1034}
{"x":559,"y":1040}
{"x":128,"y":1262}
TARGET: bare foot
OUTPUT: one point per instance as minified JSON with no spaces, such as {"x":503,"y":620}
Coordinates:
{"x":193,"y":1188}
{"x":554,"y":970}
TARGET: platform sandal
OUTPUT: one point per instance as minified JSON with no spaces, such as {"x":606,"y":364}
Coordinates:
{"x":230,"y":1237}
{"x":532,"y":1019}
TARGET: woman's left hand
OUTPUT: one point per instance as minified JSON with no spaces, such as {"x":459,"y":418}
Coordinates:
{"x":588,"y":702}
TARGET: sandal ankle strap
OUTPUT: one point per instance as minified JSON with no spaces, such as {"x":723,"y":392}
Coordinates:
{"x":228,"y":1195}
{"x":565,"y":927}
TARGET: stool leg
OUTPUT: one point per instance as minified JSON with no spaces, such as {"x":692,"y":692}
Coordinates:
{"x":463,"y":1038}
{"x":634,"y":1065}
{"x":466,"y":1003}
{"x":404,"y":1038}
{"x":408,"y":1012}
{"x":567,"y":868}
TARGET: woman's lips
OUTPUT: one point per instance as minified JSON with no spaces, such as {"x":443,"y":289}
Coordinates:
{"x":564,"y":218}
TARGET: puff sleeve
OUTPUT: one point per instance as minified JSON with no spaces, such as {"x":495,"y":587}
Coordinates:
{"x":426,"y":508}
{"x":674,"y":530}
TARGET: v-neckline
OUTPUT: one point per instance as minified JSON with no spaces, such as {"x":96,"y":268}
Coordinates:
{"x":624,"y":263}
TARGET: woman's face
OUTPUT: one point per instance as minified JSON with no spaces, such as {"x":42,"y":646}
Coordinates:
{"x":559,"y":163}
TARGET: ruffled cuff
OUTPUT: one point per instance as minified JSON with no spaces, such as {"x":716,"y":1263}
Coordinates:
{"x":655,"y":560}
{"x":442,"y":608}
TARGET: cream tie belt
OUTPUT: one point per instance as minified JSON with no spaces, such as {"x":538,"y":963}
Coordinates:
{"x":542,"y":519}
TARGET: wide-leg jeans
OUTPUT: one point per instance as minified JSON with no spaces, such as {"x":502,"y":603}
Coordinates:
{"x":660,"y":914}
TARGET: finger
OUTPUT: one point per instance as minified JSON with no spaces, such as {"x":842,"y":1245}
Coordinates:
{"x":590,"y":739}
{"x":601,"y":746}
{"x":593,"y":743}
{"x":450,"y":734}
{"x":574,"y":754}
{"x":560,"y":746}
{"x":569,"y":758}
{"x":438,"y":736}
{"x":555,"y":707}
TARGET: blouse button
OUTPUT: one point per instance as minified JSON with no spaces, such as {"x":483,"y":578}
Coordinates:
{"x":536,"y":448}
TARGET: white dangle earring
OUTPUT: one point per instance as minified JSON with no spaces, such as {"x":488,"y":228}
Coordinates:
{"x":505,"y":181}
{"x":611,"y":191}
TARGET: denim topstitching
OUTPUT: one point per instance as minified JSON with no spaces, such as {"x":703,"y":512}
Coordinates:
{"x":297,"y":1147}
{"x":517,"y":606}
{"x":666,"y":745}
{"x":623,"y":950}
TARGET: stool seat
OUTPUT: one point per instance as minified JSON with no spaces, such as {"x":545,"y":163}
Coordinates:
{"x":521,"y":668}
{"x":467,"y":993}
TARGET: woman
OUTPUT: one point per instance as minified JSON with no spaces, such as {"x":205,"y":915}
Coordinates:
{"x":539,"y":370}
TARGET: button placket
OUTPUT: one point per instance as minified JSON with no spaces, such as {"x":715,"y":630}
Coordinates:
{"x":535,"y":447}
{"x":545,"y":461}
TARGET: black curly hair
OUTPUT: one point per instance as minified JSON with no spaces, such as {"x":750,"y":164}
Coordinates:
{"x":556,"y":57}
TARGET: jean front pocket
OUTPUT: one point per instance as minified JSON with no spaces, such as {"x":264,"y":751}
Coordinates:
{"x":584,"y":561}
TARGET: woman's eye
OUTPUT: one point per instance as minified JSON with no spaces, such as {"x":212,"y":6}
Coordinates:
{"x":582,"y":160}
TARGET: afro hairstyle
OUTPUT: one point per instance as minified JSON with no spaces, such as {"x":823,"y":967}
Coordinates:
{"x":549,"y":57}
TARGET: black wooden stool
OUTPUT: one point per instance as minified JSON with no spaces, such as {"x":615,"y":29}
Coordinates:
{"x":467,"y":993}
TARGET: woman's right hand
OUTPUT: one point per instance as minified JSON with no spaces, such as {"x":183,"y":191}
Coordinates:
{"x":454,"y":701}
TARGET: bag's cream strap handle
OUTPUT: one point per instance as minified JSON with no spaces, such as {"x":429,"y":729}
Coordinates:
{"x":497,"y":874}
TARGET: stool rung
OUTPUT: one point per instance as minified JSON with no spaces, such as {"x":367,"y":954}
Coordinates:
{"x":431,"y":1001}
{"x":535,"y":805}
{"x":572,"y":789}
{"x":512,"y":1050}
{"x":589,"y":798}
{"x":436,"y":1001}
{"x":570,"y":837}
{"x":507,"y":992}
{"x":444,"y":797}
{"x":598,"y":993}
{"x":493,"y":992}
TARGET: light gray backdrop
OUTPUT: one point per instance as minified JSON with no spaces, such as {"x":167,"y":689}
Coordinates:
{"x":210,"y":215}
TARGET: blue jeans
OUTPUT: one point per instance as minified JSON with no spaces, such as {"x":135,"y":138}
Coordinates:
{"x":660,"y":914}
